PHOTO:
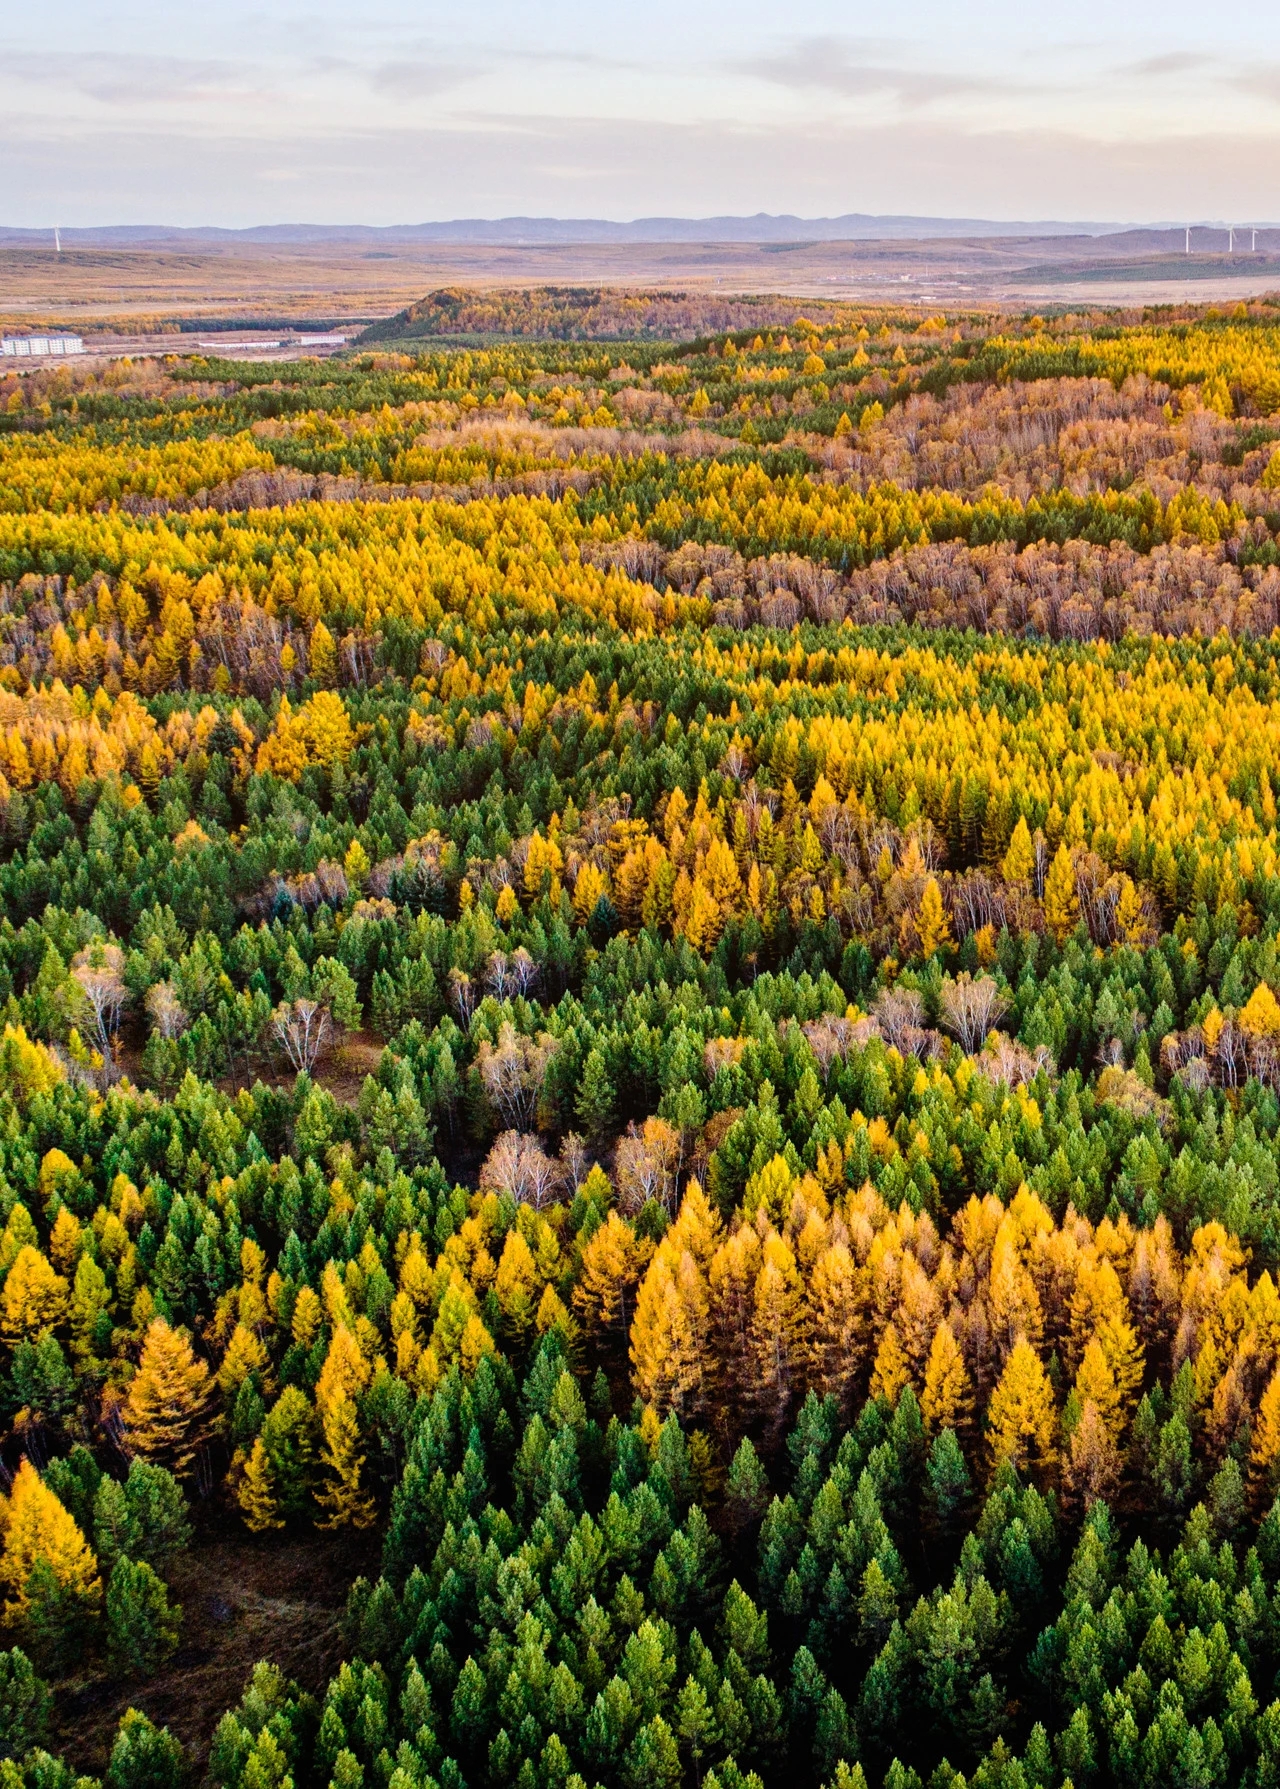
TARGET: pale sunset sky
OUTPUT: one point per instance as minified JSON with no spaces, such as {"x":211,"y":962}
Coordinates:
{"x":393,"y":112}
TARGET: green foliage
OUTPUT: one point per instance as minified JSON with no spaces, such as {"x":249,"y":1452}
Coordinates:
{"x":142,"y":1626}
{"x":24,"y":1705}
{"x":57,"y":1625}
{"x":145,"y":1756}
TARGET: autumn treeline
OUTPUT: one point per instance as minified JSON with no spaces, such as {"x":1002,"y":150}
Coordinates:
{"x":870,"y":466}
{"x":580,"y":314}
{"x":1031,"y":1342}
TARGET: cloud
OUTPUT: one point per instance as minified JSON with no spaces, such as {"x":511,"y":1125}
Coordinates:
{"x":127,"y":80}
{"x":1262,"y":82}
{"x":857,"y":68}
{"x":1259,"y":80}
{"x":417,"y":78}
{"x":1176,"y":62}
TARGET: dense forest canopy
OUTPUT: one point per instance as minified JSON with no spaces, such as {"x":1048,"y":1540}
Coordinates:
{"x":643,"y":973}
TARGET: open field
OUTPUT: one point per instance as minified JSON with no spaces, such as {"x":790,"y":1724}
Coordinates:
{"x":142,"y":291}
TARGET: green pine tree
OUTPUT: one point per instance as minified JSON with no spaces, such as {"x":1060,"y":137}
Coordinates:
{"x":58,"y":1620}
{"x":145,"y":1756}
{"x":948,"y":1477}
{"x":289,"y":1441}
{"x":156,"y":1506}
{"x":24,"y":1705}
{"x":142,"y":1625}
{"x":595,"y":1103}
{"x":747,"y":1489}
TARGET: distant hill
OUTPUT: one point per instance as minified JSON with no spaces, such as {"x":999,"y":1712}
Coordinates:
{"x":763,"y":227}
{"x":581,"y":313}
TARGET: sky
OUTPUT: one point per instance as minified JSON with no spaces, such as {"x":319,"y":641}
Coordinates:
{"x":400,"y":112}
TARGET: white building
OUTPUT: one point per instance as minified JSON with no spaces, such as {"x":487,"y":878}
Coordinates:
{"x":32,"y":347}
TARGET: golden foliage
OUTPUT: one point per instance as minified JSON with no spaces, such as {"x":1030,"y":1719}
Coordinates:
{"x":37,"y":1526}
{"x":167,"y":1413}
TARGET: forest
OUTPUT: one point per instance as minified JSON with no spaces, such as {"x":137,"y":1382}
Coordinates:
{"x":641,"y":993}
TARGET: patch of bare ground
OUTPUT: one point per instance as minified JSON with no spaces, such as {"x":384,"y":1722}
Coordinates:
{"x":243,"y":1600}
{"x":342,"y":1072}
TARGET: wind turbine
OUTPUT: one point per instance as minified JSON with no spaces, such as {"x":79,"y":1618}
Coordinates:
{"x":1188,"y":238}
{"x":1231,"y":239}
{"x":1253,"y":246}
{"x":57,"y":240}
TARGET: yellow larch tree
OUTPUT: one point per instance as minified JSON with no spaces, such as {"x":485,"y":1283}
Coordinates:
{"x":947,"y":1400}
{"x":1131,"y":915}
{"x":775,"y":1327}
{"x":345,"y":1372}
{"x":1095,"y":1296}
{"x":1092,"y":1466}
{"x":65,"y":1241}
{"x":697,"y":1229}
{"x":245,"y":1354}
{"x":891,"y":1371}
{"x":517,"y":1286}
{"x":324,"y":656}
{"x":591,"y":886}
{"x":735,"y":1269}
{"x":19,"y":1232}
{"x":476,"y":1342}
{"x":917,"y":1316}
{"x":1125,"y":1357}
{"x":343,"y":1496}
{"x":1100,"y":1312}
{"x":835,"y":1325}
{"x":671,"y":1356}
{"x":308,"y":1313}
{"x":256,"y":1492}
{"x":1260,"y":1015}
{"x":703,"y":920}
{"x":722,"y":878}
{"x":35,"y":1297}
{"x":1061,"y":902}
{"x":1020,"y":858}
{"x":457,"y":1308}
{"x":328,"y":732}
{"x":1265,"y":1450}
{"x":168,"y":1413}
{"x":542,"y":865}
{"x":604,"y":1296}
{"x":403,"y":1318}
{"x":1021,"y":1419}
{"x":931,"y":921}
{"x":38,"y":1526}
{"x":1262,"y":1325}
{"x":417,"y":1281}
{"x":1095,"y":1384}
{"x":1155,"y":1284}
{"x":631,"y":882}
{"x":1012,"y":1298}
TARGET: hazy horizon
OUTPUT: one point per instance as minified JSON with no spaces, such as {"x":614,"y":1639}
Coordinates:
{"x":756,"y":224}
